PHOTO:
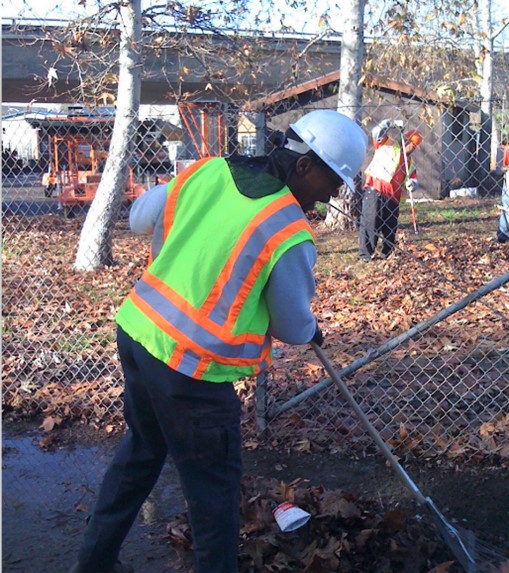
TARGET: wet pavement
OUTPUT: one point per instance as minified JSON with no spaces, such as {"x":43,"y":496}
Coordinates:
{"x":47,"y":497}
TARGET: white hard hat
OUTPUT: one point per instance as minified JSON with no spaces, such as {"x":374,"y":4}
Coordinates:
{"x":335,"y":138}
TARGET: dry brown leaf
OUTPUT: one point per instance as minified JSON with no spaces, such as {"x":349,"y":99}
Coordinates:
{"x":403,"y":432}
{"x":504,"y":451}
{"x":48,"y":424}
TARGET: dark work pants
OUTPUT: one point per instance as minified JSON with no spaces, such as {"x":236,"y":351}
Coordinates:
{"x":198,"y":424}
{"x":379,"y":218}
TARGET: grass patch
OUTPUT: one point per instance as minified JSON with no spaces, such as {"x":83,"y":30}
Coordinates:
{"x":437,"y":222}
{"x":479,"y":214}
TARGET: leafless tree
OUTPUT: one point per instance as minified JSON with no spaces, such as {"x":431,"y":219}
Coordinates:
{"x":343,"y":211}
{"x":95,"y":246}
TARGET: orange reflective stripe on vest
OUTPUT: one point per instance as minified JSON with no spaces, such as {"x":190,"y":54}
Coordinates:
{"x":229,"y":292}
{"x":249,"y":249}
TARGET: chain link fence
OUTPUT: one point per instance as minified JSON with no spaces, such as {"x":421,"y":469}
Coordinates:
{"x":441,"y":392}
{"x":433,"y":390}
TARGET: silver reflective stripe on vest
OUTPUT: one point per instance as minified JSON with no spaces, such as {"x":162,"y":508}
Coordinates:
{"x":247,"y":257}
{"x":189,"y":362}
{"x":191,"y":329}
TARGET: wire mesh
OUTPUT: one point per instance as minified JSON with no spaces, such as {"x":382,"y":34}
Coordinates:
{"x":446,"y":395}
{"x":440,"y":396}
{"x":443,"y":400}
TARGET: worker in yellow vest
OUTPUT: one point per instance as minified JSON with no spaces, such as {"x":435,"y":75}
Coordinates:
{"x":231,"y":267}
{"x":386,"y":178}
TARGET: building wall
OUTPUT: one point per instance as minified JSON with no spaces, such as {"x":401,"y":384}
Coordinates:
{"x":19,"y":136}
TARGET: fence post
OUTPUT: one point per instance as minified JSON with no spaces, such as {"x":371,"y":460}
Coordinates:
{"x":260,"y":122}
{"x":261,"y":404}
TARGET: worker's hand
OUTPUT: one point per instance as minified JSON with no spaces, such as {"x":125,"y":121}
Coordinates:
{"x":410,"y":186}
{"x":399,"y":123}
{"x":317,"y":336}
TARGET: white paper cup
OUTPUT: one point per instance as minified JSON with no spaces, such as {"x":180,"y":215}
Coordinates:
{"x":289,"y":517}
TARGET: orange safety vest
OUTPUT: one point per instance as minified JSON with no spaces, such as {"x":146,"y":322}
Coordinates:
{"x":386,"y":171}
{"x":199,"y":306}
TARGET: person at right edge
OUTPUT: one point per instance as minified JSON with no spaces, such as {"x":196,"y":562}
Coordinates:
{"x":231,"y":267}
{"x":503,"y":223}
{"x":385,"y":179}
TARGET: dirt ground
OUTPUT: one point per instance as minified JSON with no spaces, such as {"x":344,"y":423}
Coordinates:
{"x":47,"y":494}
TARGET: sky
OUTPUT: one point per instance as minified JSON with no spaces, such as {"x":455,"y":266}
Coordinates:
{"x":303,"y":21}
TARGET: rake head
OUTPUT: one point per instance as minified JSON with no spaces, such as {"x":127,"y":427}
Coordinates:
{"x":489,"y":559}
{"x":474,"y":555}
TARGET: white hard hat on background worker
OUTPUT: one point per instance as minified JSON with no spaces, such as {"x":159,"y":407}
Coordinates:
{"x":337,"y":140}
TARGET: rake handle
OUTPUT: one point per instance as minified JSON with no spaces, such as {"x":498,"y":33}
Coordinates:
{"x":451,"y":536}
{"x":410,"y":194}
{"x":389,"y":456}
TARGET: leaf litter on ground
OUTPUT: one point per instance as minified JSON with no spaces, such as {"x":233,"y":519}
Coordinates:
{"x":345,"y":534}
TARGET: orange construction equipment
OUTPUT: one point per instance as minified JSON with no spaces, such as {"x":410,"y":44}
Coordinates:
{"x":209,"y":129}
{"x":505,"y":156}
{"x":204,"y":122}
{"x":71,"y":154}
{"x":75,"y":170}
{"x":76,"y":145}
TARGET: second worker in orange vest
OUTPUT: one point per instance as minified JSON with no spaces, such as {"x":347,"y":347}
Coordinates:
{"x":386,"y":178}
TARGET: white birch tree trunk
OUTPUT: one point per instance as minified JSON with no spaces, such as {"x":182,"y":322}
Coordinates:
{"x":346,"y":211}
{"x":95,"y":245}
{"x":484,"y":64}
{"x":490,"y":144}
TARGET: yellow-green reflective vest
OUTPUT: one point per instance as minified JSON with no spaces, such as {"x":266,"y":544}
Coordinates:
{"x":199,"y":306}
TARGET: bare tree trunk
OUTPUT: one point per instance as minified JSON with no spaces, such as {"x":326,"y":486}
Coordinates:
{"x":95,"y":245}
{"x":484,"y":35}
{"x":345,"y":211}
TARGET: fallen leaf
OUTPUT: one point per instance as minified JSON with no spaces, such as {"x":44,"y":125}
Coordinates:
{"x":48,"y":424}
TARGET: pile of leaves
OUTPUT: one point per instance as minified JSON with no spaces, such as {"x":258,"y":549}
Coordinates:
{"x":60,"y":361}
{"x":435,"y":390}
{"x":345,"y":534}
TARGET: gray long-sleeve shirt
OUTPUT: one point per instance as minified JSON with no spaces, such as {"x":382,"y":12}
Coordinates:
{"x":291,"y":284}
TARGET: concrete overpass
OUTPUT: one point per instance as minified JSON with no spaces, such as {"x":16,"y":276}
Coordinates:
{"x":204,"y":68}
